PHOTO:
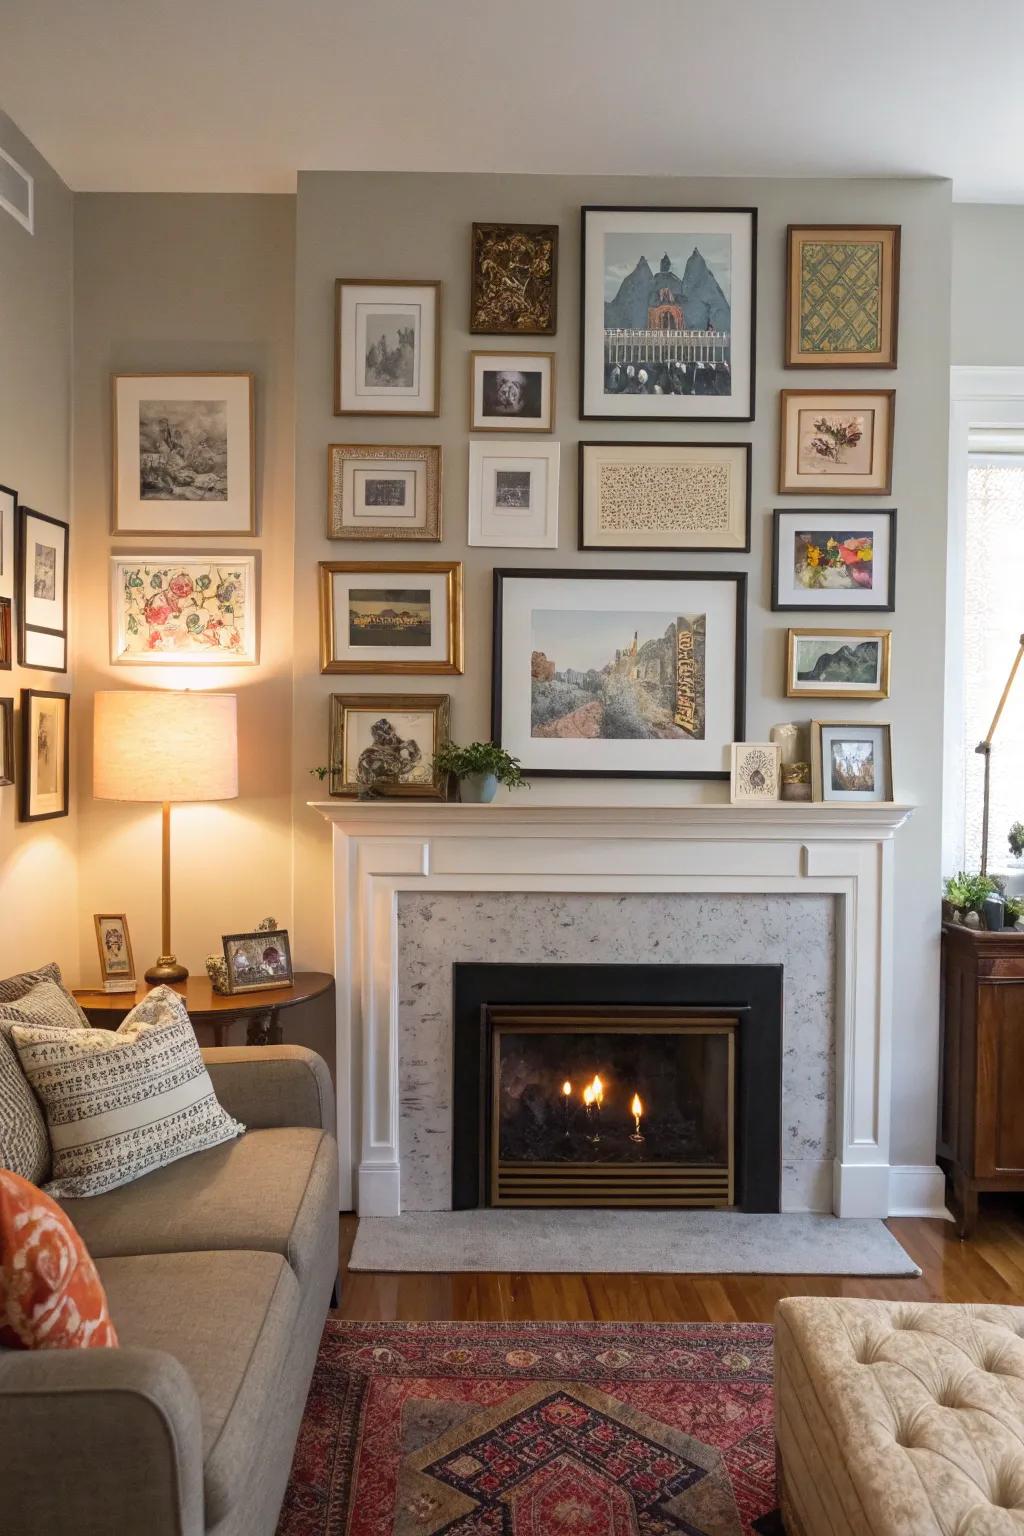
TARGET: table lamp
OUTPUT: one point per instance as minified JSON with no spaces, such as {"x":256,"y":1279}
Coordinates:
{"x":153,"y":744}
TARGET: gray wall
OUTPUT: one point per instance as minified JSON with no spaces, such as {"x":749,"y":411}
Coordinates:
{"x":988,"y":285}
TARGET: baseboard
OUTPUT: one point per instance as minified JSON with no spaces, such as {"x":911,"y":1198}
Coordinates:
{"x":918,"y":1190}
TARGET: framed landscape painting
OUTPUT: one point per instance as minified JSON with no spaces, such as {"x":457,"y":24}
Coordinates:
{"x":383,"y":491}
{"x":836,"y":443}
{"x":42,"y":588}
{"x":385,"y":744}
{"x":838,"y":663}
{"x":45,"y":754}
{"x":514,"y":280}
{"x":387,"y":347}
{"x":175,"y":609}
{"x":851,"y":761}
{"x":513,"y":494}
{"x":668,"y":314}
{"x":842,"y":295}
{"x":383,"y":616}
{"x":827,"y":559}
{"x":665,"y":496}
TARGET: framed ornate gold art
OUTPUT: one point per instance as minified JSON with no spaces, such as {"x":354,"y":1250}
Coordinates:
{"x":842,"y":295}
{"x":385,"y":743}
{"x":388,"y":616}
{"x":514,"y":280}
{"x":384,"y":491}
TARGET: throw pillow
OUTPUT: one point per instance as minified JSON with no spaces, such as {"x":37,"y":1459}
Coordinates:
{"x":119,"y":1104}
{"x":13,"y":988}
{"x":50,"y":1294}
{"x":34,"y":997}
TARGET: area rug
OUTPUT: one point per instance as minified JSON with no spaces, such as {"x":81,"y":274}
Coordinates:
{"x":537,"y":1429}
{"x":634,"y":1242}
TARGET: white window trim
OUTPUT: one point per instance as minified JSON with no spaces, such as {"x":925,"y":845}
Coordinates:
{"x":27,"y":217}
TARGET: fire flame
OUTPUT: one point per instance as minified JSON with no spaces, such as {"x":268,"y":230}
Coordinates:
{"x":588,"y":1095}
{"x":597,"y":1089}
{"x":567,"y":1087}
{"x":636,"y":1108}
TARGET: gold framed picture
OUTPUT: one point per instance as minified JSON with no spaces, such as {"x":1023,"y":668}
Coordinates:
{"x":258,"y":960}
{"x":117,"y":963}
{"x":836,"y":442}
{"x":842,"y":295}
{"x":387,"y":347}
{"x":385,"y":744}
{"x":511,"y":391}
{"x":384,"y":616}
{"x":838,"y":663}
{"x":514,"y":280}
{"x":383,"y":491}
{"x":851,"y":761}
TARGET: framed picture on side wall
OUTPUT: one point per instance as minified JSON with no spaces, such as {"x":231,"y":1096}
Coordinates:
{"x":6,"y":639}
{"x":8,"y":512}
{"x":7,"y":773}
{"x":42,"y":589}
{"x":387,"y":347}
{"x":45,"y":754}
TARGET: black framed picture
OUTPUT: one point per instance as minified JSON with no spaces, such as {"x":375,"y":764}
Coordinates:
{"x":42,"y":591}
{"x":833,"y":561}
{"x":45,"y":754}
{"x":6,"y":742}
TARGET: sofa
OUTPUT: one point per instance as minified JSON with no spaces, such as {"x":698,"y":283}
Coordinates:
{"x":219,"y":1271}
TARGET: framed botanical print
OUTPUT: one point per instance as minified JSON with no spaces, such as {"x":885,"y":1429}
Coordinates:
{"x":385,"y":744}
{"x":514,"y":280}
{"x":387,"y":347}
{"x":6,"y":641}
{"x":838,"y":663}
{"x":383,"y":616}
{"x":834,"y":560}
{"x":842,"y":295}
{"x":754,"y":770}
{"x":8,"y":513}
{"x":836,"y":442}
{"x":665,"y":496}
{"x":45,"y":754}
{"x":619,"y":674}
{"x":184,"y":454}
{"x":42,"y":585}
{"x":513,"y":495}
{"x":114,"y":945}
{"x":258,"y":960}
{"x":851,"y":761}
{"x":511,"y":391}
{"x":384,"y":491}
{"x":6,"y":742}
{"x":199,"y":610}
{"x":668,"y":314}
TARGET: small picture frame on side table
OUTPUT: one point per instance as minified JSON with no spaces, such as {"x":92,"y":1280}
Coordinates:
{"x":117,"y":963}
{"x":258,"y":960}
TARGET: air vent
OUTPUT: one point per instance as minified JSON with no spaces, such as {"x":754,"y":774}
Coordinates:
{"x":17,"y":192}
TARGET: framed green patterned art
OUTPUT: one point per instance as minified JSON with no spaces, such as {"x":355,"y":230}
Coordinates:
{"x":842,"y":295}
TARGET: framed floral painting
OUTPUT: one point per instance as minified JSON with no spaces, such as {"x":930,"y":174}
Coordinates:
{"x":172,"y":609}
{"x":836,"y":442}
{"x":826,"y":559}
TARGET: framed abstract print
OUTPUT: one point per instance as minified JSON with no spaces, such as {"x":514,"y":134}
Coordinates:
{"x":836,"y":442}
{"x":385,"y":744}
{"x":665,"y":496}
{"x":6,"y":638}
{"x":184,"y":454}
{"x":619,"y":674}
{"x":842,"y":295}
{"x":834,"y":560}
{"x":198,"y":610}
{"x":668,"y":314}
{"x":851,"y":761}
{"x":387,"y":347}
{"x":42,"y":588}
{"x":838,"y":663}
{"x":45,"y":754}
{"x":257,"y":960}
{"x":8,"y":514}
{"x":383,"y":616}
{"x":513,"y":495}
{"x":754,"y":772}
{"x":511,"y":391}
{"x":514,"y":280}
{"x":7,"y":770}
{"x":383,"y":491}
{"x":114,"y":945}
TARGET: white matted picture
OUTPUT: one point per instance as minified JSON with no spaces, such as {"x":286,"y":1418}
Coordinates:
{"x":511,"y":391}
{"x":836,"y":442}
{"x":663,"y":496}
{"x":513,"y":496}
{"x":184,"y":454}
{"x":383,"y":492}
{"x":754,"y":772}
{"x":828,"y":559}
{"x":387,"y":354}
{"x":45,"y":754}
{"x":117,"y":964}
{"x":42,"y":585}
{"x":385,"y":744}
{"x":383,"y":616}
{"x":174,"y":609}
{"x":851,"y":761}
{"x":8,"y":509}
{"x":838,"y":663}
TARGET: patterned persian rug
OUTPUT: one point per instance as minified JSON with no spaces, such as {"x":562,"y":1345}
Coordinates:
{"x":537,"y":1429}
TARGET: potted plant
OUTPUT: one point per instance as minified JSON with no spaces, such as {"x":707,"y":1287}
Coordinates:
{"x":1016,"y":839}
{"x":966,"y":893}
{"x":479,"y":769}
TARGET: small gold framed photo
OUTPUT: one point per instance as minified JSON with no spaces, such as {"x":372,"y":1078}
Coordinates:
{"x":836,"y":442}
{"x":383,"y":616}
{"x":838,"y":663}
{"x":385,"y":744}
{"x":842,"y":295}
{"x":383,"y":491}
{"x":258,"y":960}
{"x":511,"y":391}
{"x":117,"y":963}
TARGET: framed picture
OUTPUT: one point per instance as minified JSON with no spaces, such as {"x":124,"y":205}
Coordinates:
{"x":184,"y":454}
{"x":834,"y":560}
{"x":6,"y":641}
{"x":665,"y":496}
{"x":42,"y":591}
{"x":258,"y":960}
{"x":383,"y":492}
{"x":514,"y":280}
{"x":173,"y":609}
{"x":754,"y":768}
{"x":380,"y":616}
{"x":387,"y":352}
{"x":836,"y":442}
{"x":8,"y":513}
{"x":513,"y":497}
{"x":384,"y":743}
{"x":45,"y":754}
{"x":838,"y":663}
{"x":117,"y":964}
{"x":668,"y":314}
{"x":842,"y":295}
{"x":851,"y":761}
{"x":7,"y":772}
{"x":511,"y":391}
{"x":619,"y":674}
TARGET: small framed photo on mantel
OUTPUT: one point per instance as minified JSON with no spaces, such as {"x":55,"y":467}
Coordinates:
{"x":387,"y":347}
{"x":851,"y":761}
{"x":754,"y":770}
{"x":117,"y":964}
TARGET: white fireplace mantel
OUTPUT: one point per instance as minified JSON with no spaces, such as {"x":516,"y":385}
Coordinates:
{"x":382,"y":848}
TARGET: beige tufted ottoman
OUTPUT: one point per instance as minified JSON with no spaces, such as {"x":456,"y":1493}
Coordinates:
{"x":899,"y":1419}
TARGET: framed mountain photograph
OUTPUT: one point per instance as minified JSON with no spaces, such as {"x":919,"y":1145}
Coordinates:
{"x":827,"y":559}
{"x":838,"y":663}
{"x":836,"y":442}
{"x":842,"y":295}
{"x":387,"y":347}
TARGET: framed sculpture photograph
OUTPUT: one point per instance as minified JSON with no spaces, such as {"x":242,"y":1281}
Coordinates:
{"x":514,"y":280}
{"x":619,"y":674}
{"x":387,"y":347}
{"x":851,"y":761}
{"x":184,"y":454}
{"x":386,"y":491}
{"x":45,"y":754}
{"x":389,"y":616}
{"x":665,"y":496}
{"x":258,"y":960}
{"x":174,"y":609}
{"x":114,"y":945}
{"x":42,"y":591}
{"x":842,"y":295}
{"x":6,"y":638}
{"x":7,"y":769}
{"x":836,"y":442}
{"x":834,"y":559}
{"x":385,"y":744}
{"x":668,"y":314}
{"x":838,"y":663}
{"x":513,"y":495}
{"x":511,"y":391}
{"x":754,"y":769}
{"x":8,"y":514}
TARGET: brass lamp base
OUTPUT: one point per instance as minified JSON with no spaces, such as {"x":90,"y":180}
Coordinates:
{"x":167,"y":969}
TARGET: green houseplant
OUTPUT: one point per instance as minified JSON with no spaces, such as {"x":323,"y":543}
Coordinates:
{"x":479,"y":769}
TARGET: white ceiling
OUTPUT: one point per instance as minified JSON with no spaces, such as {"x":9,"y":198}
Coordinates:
{"x":237,"y":95}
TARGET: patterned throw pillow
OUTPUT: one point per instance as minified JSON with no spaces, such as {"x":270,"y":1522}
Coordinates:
{"x":50,"y":1294}
{"x":119,"y":1104}
{"x":34,"y":997}
{"x":14,"y":988}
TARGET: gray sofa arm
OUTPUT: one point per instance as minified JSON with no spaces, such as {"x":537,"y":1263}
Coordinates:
{"x":99,"y":1440}
{"x":272,"y":1085}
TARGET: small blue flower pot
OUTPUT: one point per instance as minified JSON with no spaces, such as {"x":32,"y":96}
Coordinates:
{"x":478,"y":788}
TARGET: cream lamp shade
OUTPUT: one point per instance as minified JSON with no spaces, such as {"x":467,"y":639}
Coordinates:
{"x":154,"y":744}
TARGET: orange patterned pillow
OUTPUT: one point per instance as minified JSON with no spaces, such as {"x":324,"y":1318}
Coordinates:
{"x":50,"y":1294}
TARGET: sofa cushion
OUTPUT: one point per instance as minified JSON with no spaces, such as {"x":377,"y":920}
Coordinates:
{"x":50,"y":1294}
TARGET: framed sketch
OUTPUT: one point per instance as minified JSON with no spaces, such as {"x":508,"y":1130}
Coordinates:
{"x":619,"y":674}
{"x":184,"y":454}
{"x":174,"y":609}
{"x":8,"y":514}
{"x":838,"y":663}
{"x":513,"y":496}
{"x":385,"y":743}
{"x":514,"y":280}
{"x":42,"y":585}
{"x":258,"y":960}
{"x":665,"y":496}
{"x":842,"y":295}
{"x":7,"y":772}
{"x":387,"y":347}
{"x":45,"y":754}
{"x":383,"y":492}
{"x":511,"y":391}
{"x":834,"y":560}
{"x":117,"y":963}
{"x":836,"y":442}
{"x":754,"y":768}
{"x":668,"y":314}
{"x":6,"y":640}
{"x":851,"y":761}
{"x":383,"y":616}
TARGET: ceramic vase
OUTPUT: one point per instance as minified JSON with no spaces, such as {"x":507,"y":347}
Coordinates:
{"x":478,"y":788}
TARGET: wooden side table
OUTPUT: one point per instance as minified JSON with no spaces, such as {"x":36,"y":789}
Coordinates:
{"x":261,"y":1010}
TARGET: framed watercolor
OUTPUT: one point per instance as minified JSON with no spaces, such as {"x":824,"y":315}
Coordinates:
{"x":851,"y":761}
{"x":258,"y":960}
{"x":42,"y":587}
{"x":513,"y":496}
{"x":45,"y":754}
{"x":114,"y":945}
{"x":838,"y":663}
{"x":619,"y":674}
{"x":7,"y":767}
{"x":385,"y":743}
{"x":514,"y":280}
{"x":170,"y":610}
{"x":8,"y":517}
{"x":384,"y":491}
{"x":184,"y":454}
{"x":6,"y":638}
{"x":387,"y":616}
{"x":511,"y":391}
{"x":665,"y":496}
{"x":836,"y":442}
{"x":842,"y":295}
{"x":387,"y":347}
{"x":754,"y":770}
{"x":833,"y":560}
{"x":668,"y":314}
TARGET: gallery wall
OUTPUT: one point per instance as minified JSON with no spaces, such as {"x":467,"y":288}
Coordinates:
{"x":988,"y":300}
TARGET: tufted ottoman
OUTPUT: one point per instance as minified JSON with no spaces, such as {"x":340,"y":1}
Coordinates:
{"x":899,"y":1419}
